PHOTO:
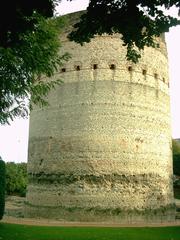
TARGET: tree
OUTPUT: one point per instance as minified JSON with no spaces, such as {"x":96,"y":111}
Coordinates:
{"x":18,"y":18}
{"x":29,"y":52}
{"x":138,"y":21}
{"x":16,"y":178}
{"x":29,"y":43}
{"x":176,"y":157}
{"x":2,"y":187}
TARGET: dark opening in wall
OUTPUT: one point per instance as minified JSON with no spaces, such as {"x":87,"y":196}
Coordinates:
{"x":164,"y":80}
{"x":130,"y":68}
{"x":112,"y":66}
{"x":77,"y":68}
{"x":95,"y":66}
{"x":63,"y":70}
{"x":155,"y":75}
{"x":144,"y":71}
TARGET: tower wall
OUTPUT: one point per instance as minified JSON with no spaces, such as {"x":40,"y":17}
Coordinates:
{"x":102,"y":150}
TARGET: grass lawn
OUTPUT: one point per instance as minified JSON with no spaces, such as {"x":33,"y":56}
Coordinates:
{"x":22,"y":232}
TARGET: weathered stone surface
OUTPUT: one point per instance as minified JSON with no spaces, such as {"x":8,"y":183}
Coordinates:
{"x":102,"y":149}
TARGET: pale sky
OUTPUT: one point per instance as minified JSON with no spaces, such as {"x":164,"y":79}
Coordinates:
{"x":14,"y":138}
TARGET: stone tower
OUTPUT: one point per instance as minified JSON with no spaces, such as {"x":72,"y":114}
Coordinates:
{"x":102,"y":150}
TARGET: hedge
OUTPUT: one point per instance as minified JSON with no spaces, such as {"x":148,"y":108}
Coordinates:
{"x":2,"y":187}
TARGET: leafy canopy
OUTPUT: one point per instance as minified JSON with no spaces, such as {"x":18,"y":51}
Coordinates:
{"x":16,"y":18}
{"x":2,"y":187}
{"x":29,"y":52}
{"x":16,"y":178}
{"x":138,"y":22}
{"x":176,"y":156}
{"x":29,"y":42}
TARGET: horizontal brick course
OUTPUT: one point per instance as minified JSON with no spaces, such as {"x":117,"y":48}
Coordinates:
{"x":110,"y":125}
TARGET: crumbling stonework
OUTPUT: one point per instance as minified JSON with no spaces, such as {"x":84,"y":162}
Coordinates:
{"x":102,"y":150}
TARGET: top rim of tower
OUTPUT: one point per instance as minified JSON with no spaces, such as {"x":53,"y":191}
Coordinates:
{"x":74,"y":17}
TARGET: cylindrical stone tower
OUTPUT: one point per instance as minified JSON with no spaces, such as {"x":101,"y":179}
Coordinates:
{"x":102,"y":150}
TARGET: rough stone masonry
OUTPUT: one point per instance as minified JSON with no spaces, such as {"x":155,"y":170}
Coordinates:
{"x":102,"y":150}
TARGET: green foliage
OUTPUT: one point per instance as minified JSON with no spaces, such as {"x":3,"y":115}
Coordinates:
{"x":177,"y":192}
{"x":21,"y":232}
{"x":15,"y":18}
{"x":176,"y":164}
{"x":29,"y":53}
{"x":176,"y":156}
{"x":176,"y":147}
{"x":2,"y":187}
{"x":139,"y":22}
{"x":16,"y":178}
{"x":25,"y":66}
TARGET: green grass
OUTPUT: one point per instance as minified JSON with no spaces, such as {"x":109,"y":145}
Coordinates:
{"x":22,"y":232}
